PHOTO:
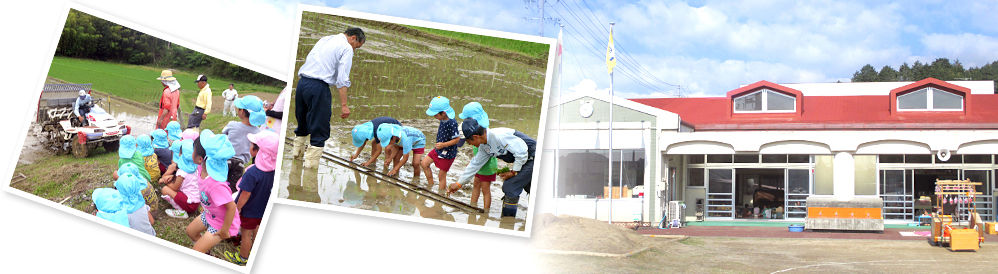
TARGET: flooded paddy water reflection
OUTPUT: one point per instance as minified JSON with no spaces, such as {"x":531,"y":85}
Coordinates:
{"x":334,"y":184}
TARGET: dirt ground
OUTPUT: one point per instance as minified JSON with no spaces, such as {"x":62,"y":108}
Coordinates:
{"x":747,"y":255}
{"x":570,"y":233}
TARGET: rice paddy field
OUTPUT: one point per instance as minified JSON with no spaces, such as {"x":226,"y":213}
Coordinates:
{"x":396,"y":73}
{"x":138,"y":83}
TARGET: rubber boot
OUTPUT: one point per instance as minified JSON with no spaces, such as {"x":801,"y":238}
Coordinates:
{"x":509,"y":206}
{"x":312,"y":155}
{"x":300,"y":144}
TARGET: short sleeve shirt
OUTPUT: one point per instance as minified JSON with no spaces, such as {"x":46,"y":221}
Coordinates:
{"x":237,"y":132}
{"x":411,"y":139}
{"x":258,"y":183}
{"x":446,"y":132}
{"x":139,"y":220}
{"x":214,"y":196}
{"x":381,"y":120}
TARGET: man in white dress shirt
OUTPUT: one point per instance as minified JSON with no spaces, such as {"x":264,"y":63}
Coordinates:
{"x":327,"y":64}
{"x":230,"y":96}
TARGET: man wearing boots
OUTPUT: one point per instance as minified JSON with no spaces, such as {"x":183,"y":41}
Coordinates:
{"x":508,"y":145}
{"x":328,"y":63}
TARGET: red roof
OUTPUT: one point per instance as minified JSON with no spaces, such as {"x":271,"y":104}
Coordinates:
{"x":830,"y":113}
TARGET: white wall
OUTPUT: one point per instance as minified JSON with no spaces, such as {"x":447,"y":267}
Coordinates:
{"x":862,"y":142}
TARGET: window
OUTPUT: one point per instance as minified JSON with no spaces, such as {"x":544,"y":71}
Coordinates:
{"x":694,"y":177}
{"x":765,"y":100}
{"x":930,"y":99}
{"x":584,"y":173}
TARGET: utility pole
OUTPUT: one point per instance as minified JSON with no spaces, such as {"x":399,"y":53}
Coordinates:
{"x":540,"y":18}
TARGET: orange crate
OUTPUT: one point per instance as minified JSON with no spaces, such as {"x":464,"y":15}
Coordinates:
{"x":964,"y":239}
{"x":989,"y":228}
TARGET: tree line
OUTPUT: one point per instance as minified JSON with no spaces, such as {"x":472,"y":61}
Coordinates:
{"x":941,"y":69}
{"x":87,"y":36}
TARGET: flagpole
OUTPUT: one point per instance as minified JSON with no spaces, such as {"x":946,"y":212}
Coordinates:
{"x":609,"y":164}
{"x":557,"y":149}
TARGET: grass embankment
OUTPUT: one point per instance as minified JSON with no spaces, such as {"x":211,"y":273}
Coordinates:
{"x":537,"y":50}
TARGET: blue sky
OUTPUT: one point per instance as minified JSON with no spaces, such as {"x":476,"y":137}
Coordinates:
{"x":711,"y":47}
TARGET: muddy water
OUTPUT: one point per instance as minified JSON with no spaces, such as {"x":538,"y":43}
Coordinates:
{"x":334,"y":184}
{"x":397,"y":74}
{"x":142,"y":121}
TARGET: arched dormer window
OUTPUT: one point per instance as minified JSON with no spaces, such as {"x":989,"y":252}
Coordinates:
{"x":929,"y":99}
{"x":765,"y":101}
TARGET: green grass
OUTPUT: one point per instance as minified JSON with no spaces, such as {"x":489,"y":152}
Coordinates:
{"x":138,"y":83}
{"x":53,"y":189}
{"x":692,"y":241}
{"x":537,"y":50}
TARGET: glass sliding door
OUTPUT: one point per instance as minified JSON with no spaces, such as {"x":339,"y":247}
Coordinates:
{"x":984,"y":202}
{"x":798,"y":189}
{"x":720,"y":193}
{"x":898,"y":203}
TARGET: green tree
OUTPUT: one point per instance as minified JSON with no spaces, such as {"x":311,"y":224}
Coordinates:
{"x":866,"y":74}
{"x":888,"y":74}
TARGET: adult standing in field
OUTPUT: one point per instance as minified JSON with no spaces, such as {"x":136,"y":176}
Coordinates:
{"x":229,"y":95}
{"x":170,"y":100}
{"x":328,"y":63}
{"x":203,"y":104}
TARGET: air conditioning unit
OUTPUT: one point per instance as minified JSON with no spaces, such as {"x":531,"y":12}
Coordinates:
{"x":676,"y":214}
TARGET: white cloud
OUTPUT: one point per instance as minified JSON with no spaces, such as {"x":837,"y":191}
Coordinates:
{"x":973,"y":50}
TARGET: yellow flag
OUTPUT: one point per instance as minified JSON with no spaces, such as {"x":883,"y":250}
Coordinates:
{"x":611,"y":58}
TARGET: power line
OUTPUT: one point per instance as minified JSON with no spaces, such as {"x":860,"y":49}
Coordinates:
{"x":627,"y":56}
{"x":626,"y":70}
{"x":627,"y":60}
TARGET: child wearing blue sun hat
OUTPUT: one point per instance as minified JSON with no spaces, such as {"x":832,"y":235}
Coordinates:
{"x":128,"y":153}
{"x":108,"y":204}
{"x":482,"y":184}
{"x":182,"y":190}
{"x":139,"y":218}
{"x":150,"y":160}
{"x":445,"y":150}
{"x":372,"y":135}
{"x":173,"y":131}
{"x":218,"y":219}
{"x":161,"y":146}
{"x":251,"y":115}
{"x":404,"y":139}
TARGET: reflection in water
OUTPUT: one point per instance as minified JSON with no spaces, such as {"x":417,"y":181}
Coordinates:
{"x":337,"y":185}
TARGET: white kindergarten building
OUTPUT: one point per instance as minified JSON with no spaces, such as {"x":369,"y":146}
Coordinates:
{"x":771,"y":146}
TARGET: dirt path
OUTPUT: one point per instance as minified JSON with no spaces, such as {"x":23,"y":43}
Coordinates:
{"x":746,"y":255}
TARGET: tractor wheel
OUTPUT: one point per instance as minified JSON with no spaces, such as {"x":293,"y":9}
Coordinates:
{"x":79,"y":150}
{"x":111,"y":146}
